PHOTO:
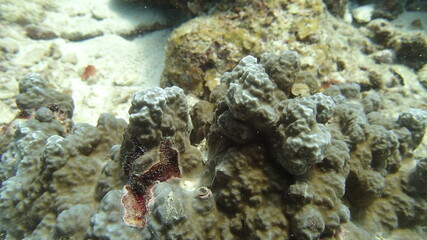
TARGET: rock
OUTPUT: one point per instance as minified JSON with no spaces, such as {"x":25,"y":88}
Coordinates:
{"x":337,"y":8}
{"x":73,"y":221}
{"x":69,"y":58}
{"x":384,"y":56}
{"x":363,"y":14}
{"x":76,"y":35}
{"x":44,"y":114}
{"x":9,"y":45}
{"x":40,"y":33}
{"x":30,"y":57}
{"x":107,"y":222}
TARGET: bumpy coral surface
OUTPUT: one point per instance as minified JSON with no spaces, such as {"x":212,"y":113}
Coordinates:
{"x":50,"y":169}
{"x":284,"y":148}
{"x":316,"y":162}
{"x":250,"y":95}
{"x":300,"y":167}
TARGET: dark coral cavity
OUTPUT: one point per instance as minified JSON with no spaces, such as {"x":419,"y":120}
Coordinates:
{"x":133,"y":151}
{"x":416,"y":184}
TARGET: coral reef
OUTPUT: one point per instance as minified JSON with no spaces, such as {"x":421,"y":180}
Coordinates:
{"x":250,"y":94}
{"x":385,"y":8}
{"x":199,"y":51}
{"x":34,"y":93}
{"x":49,"y":170}
{"x":336,"y":7}
{"x":195,"y":7}
{"x":205,"y":47}
{"x":285,"y":71}
{"x":298,"y":132}
{"x":267,"y":164}
{"x":406,"y":46}
{"x":315,"y":162}
{"x":200,"y":114}
{"x":107,"y":222}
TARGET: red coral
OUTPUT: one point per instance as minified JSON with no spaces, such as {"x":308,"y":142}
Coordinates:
{"x":135,"y":206}
{"x":138,"y":193}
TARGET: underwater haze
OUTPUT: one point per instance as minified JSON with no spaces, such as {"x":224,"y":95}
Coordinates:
{"x":202,"y":119}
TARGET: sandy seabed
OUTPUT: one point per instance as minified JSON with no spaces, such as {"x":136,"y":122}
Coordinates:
{"x":60,"y":39}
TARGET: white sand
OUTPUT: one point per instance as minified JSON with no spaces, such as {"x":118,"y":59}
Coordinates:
{"x":123,"y":66}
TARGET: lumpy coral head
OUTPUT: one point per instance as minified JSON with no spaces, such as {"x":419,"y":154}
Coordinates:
{"x":138,"y":193}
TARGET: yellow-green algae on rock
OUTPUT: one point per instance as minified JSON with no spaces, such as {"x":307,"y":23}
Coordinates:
{"x":331,"y":49}
{"x":206,"y":46}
